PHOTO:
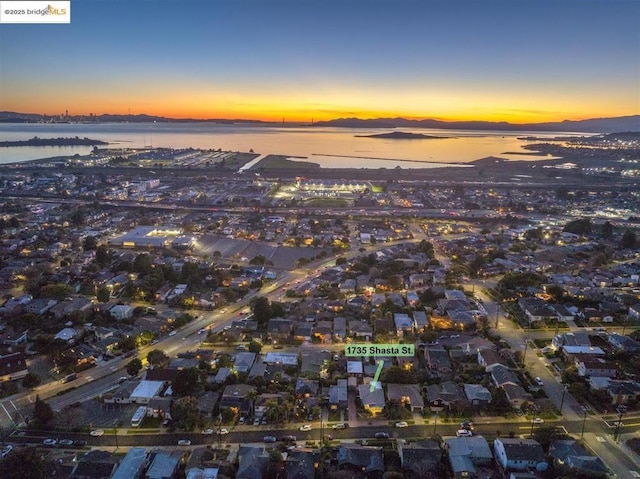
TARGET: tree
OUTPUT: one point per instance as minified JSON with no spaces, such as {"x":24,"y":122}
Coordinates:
{"x":24,"y":463}
{"x":157,"y":358}
{"x":185,"y":414}
{"x":57,"y":291}
{"x":89,"y":243}
{"x":187,"y":382}
{"x":42,"y":413}
{"x":262,"y":310}
{"x":103,"y":295}
{"x":127,"y":344}
{"x":255,"y":347}
{"x":580,"y":227}
{"x":142,"y":264}
{"x":30,"y":381}
{"x":103,"y":256}
{"x":629,"y":240}
{"x":134,"y":366}
{"x":607,"y":230}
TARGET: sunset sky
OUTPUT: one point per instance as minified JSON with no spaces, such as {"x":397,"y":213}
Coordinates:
{"x":517,"y":61}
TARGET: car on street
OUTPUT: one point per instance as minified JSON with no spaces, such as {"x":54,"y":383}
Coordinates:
{"x":65,"y":442}
{"x":382,"y":435}
{"x":207,"y":431}
{"x":173,"y":333}
{"x":269,"y":439}
{"x":538,"y":420}
{"x":340,"y":425}
{"x":464,"y":433}
{"x":80,"y":443}
{"x":6,"y":450}
{"x":97,"y":433}
{"x":223,"y":432}
{"x":467,"y":424}
{"x":306,"y":427}
{"x":184,"y":442}
{"x":242,"y":420}
{"x":402,"y":424}
{"x":49,"y":442}
{"x":539,"y":381}
{"x":288,"y":438}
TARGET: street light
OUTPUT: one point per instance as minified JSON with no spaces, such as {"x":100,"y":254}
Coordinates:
{"x":564,"y":391}
{"x":616,"y":435}
{"x":435,"y":423}
{"x":584,"y":419}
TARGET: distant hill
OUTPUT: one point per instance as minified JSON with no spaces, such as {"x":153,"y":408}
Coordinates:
{"x":595,"y":125}
{"x":16,"y":117}
{"x":402,"y":135}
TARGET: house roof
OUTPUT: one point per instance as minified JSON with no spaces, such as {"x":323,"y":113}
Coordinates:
{"x":517,"y":449}
{"x":369,"y":458}
{"x":501,"y":375}
{"x":12,"y":363}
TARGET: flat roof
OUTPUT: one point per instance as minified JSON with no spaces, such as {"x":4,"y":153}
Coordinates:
{"x":147,"y":389}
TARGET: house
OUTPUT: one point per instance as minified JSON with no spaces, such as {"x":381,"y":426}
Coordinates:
{"x":570,"y":339}
{"x":444,"y":395}
{"x":163,"y":464}
{"x":571,"y":454}
{"x":407,"y":395}
{"x":243,"y":361}
{"x":252,"y":462}
{"x":516,"y":395}
{"x":519,"y":454}
{"x":302,"y":464}
{"x":489,"y":359}
{"x":39,"y":306}
{"x":360,"y":330}
{"x":437,"y":360}
{"x":132,"y":464}
{"x":588,"y":366}
{"x":420,"y":320}
{"x":68,"y":335}
{"x":403,"y":324}
{"x":236,"y":396}
{"x":306,"y":387}
{"x":623,"y":343}
{"x":358,"y":459}
{"x":80,"y":305}
{"x":121,"y":311}
{"x":145,"y":391}
{"x":159,"y":407}
{"x":372,"y":401}
{"x":201,"y":464}
{"x":467,"y":453}
{"x":207,"y":403}
{"x":339,"y":328}
{"x":536,"y":309}
{"x":420,"y":457}
{"x":279,"y":328}
{"x":501,"y":375}
{"x":338,"y":394}
{"x":621,"y":392}
{"x":95,"y":465}
{"x":477,"y":395}
{"x":13,"y":366}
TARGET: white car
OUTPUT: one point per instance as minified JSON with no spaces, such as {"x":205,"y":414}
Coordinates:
{"x":184,"y":442}
{"x":464,"y":433}
{"x":340,"y":425}
{"x":538,"y":420}
{"x":207,"y":431}
{"x":539,"y":381}
{"x":97,"y":433}
{"x":173,"y":333}
{"x":306,"y":427}
{"x":49,"y":442}
{"x":223,"y":432}
{"x":402,"y":424}
{"x":6,"y":450}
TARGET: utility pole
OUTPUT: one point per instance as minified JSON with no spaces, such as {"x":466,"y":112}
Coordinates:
{"x":616,"y":435}
{"x":524,"y":355}
{"x":435,"y":423}
{"x":584,"y":419}
{"x":564,"y":391}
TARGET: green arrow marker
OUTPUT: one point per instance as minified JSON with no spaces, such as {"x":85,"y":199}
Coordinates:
{"x":374,"y":383}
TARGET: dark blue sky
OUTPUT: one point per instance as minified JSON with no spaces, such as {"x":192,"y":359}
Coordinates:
{"x":514,"y":60}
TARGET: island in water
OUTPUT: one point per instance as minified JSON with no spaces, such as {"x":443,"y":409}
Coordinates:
{"x":403,"y":135}
{"x":35,"y":141}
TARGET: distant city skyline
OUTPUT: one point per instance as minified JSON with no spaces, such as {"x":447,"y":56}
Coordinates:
{"x":521,"y":62}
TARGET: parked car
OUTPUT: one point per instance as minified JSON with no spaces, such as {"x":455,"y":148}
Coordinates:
{"x":184,"y":442}
{"x":65,"y":442}
{"x":467,"y":424}
{"x":538,"y":420}
{"x":97,"y":433}
{"x":6,"y":450}
{"x":269,"y":439}
{"x":49,"y":442}
{"x":340,"y":425}
{"x":288,"y":438}
{"x":306,"y":427}
{"x":173,"y":333}
{"x":539,"y":381}
{"x":242,"y":420}
{"x":223,"y":431}
{"x":207,"y":431}
{"x":402,"y":424}
{"x":382,"y":435}
{"x":80,"y":443}
{"x":464,"y":433}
